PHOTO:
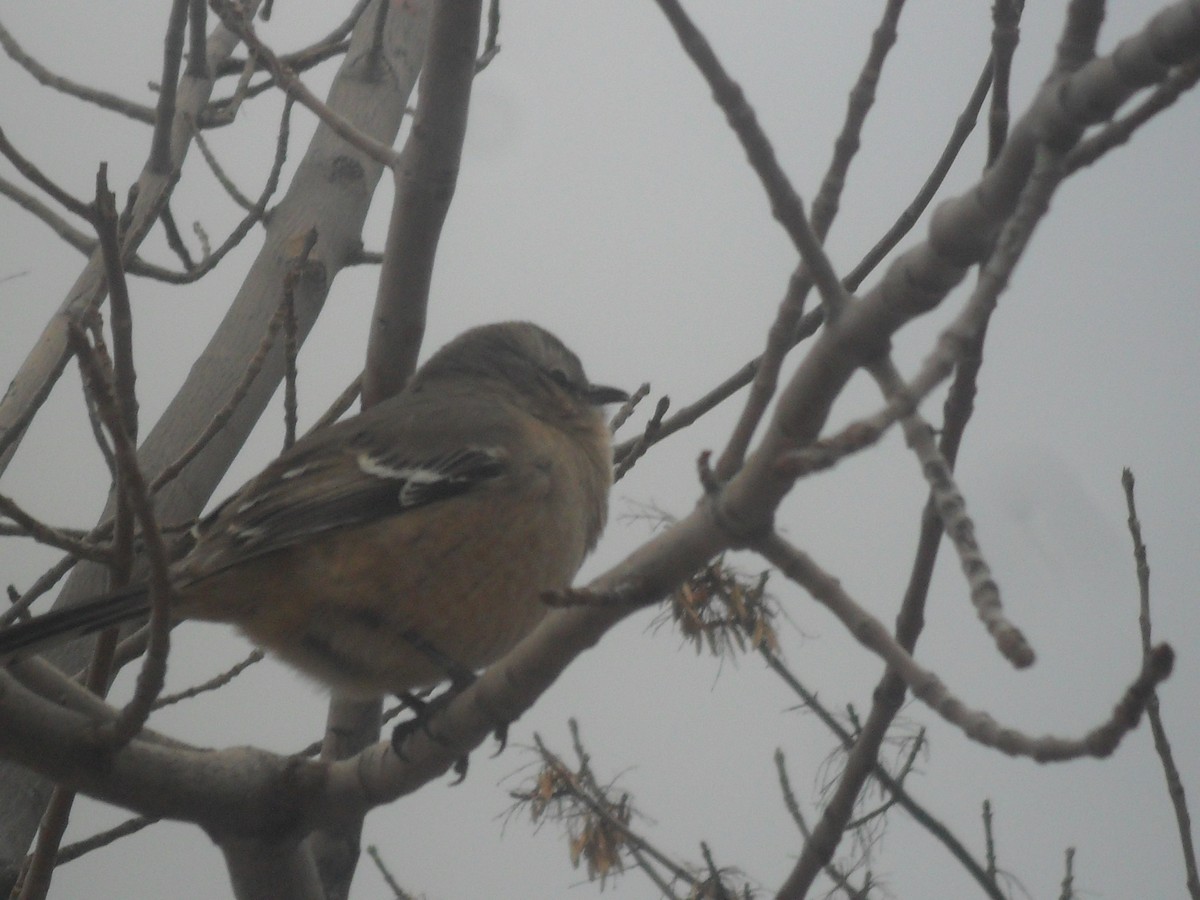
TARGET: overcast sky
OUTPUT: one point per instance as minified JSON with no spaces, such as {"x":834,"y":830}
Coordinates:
{"x":603,"y":196}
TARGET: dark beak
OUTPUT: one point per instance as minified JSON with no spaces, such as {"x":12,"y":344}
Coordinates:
{"x":599,"y":395}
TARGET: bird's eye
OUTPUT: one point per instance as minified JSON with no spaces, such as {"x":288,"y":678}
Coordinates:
{"x":563,"y":380}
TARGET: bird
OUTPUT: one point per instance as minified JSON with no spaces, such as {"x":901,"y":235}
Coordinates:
{"x":409,"y":543}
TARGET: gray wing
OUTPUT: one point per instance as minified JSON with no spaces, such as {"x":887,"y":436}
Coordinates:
{"x":353,"y":473}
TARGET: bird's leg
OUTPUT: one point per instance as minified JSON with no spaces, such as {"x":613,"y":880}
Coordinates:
{"x":424,"y":710}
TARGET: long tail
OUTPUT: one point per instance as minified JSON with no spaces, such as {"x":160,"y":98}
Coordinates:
{"x":62,"y":625}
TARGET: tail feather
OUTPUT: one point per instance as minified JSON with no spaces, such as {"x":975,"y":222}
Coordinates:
{"x":62,"y":625}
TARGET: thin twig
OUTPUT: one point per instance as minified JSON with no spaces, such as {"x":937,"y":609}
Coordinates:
{"x":491,"y":47}
{"x":840,"y":878}
{"x":897,"y":791}
{"x":294,"y":274}
{"x":989,"y":840}
{"x":218,"y":113}
{"x":120,"y":317}
{"x":1068,"y":882}
{"x":787,"y":209}
{"x":861,"y":100}
{"x":582,"y":787}
{"x":60,"y":226}
{"x":786,"y":205}
{"x":212,"y":684}
{"x":150,"y":679}
{"x":53,"y":537}
{"x":45,"y":582}
{"x":123,"y":380}
{"x":341,"y":403}
{"x":1158,"y":728}
{"x":397,"y":892}
{"x":174,"y":238}
{"x":222,"y":112}
{"x":963,"y":126}
{"x":221,"y":175}
{"x":130,"y":826}
{"x":686,"y":415}
{"x":917,"y":745}
{"x":34,"y":174}
{"x":84,"y":92}
{"x":639,"y":446}
{"x":621,"y":416}
{"x":39,"y":865}
{"x":211,"y":258}
{"x":298,"y":59}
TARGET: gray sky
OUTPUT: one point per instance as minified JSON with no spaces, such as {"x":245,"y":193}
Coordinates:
{"x":603,"y":195}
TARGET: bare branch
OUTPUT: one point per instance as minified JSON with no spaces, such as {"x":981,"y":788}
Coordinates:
{"x":1158,"y":728}
{"x":103,"y":99}
{"x":640,"y":445}
{"x":39,"y":866}
{"x":214,"y":683}
{"x":234,"y":18}
{"x":976,"y":724}
{"x":958,"y":526}
{"x":102,"y":839}
{"x":598,"y":825}
{"x":69,"y":233}
{"x":426,"y":174}
{"x":787,"y":208}
{"x":840,"y":878}
{"x":290,"y":339}
{"x":255,"y":214}
{"x":895,"y":789}
{"x":339,"y":406}
{"x":219,"y":173}
{"x":1117,"y":133}
{"x":53,"y":537}
{"x":197,"y":65}
{"x":121,"y":318}
{"x":306,"y":57}
{"x":862,"y":98}
{"x":989,"y":840}
{"x":621,"y":416}
{"x":174,"y":238}
{"x":491,"y":47}
{"x":164,"y":114}
{"x":1068,"y":882}
{"x":150,"y":679}
{"x":398,"y":893}
{"x":34,"y":174}
{"x":785,"y":203}
{"x":1006,"y":16}
{"x":45,"y":582}
{"x":34,"y":380}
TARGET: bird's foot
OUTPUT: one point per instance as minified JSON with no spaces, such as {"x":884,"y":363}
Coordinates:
{"x":424,"y":711}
